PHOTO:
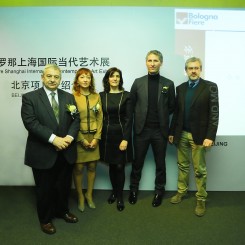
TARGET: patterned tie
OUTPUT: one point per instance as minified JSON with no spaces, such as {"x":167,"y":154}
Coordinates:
{"x":191,"y":85}
{"x":55,"y":106}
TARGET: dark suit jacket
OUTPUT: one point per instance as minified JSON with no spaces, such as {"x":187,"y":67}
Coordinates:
{"x":204,"y":112}
{"x":39,"y":119}
{"x":139,"y":101}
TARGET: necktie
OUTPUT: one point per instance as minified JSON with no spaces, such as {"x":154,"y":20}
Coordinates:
{"x":191,"y":85}
{"x":55,"y":106}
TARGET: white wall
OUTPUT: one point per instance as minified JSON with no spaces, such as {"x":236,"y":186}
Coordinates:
{"x":122,"y":36}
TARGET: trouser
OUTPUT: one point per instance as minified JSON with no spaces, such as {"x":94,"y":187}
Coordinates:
{"x":52,"y":189}
{"x":142,"y":142}
{"x":187,"y":152}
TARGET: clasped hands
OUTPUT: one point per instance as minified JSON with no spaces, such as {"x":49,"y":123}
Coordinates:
{"x":61,"y":143}
{"x":90,"y":145}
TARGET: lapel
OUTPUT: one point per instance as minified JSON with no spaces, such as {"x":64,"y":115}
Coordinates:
{"x":198,"y":92}
{"x":160,"y":87}
{"x":62,"y":106}
{"x":145,"y":81}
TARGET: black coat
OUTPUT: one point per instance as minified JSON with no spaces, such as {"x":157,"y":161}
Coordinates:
{"x":38,"y":118}
{"x":204,"y":112}
{"x":139,"y":102}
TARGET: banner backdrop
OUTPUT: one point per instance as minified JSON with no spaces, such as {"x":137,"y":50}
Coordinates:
{"x":102,"y":37}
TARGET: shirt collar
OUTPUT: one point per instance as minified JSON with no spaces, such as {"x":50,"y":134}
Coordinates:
{"x":48,"y":92}
{"x":195,"y":82}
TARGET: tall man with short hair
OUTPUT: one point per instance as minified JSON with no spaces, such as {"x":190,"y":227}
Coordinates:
{"x":153,"y":98}
{"x":193,"y":129}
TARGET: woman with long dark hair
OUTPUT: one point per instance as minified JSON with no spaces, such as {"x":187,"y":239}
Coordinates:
{"x":115,"y":144}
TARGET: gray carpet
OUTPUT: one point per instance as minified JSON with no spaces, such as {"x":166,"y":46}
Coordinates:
{"x":224,"y":222}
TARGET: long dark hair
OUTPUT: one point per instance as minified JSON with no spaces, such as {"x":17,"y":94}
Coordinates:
{"x":108,"y":74}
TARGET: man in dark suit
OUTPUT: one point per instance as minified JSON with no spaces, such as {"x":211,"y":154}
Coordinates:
{"x":50,"y":148}
{"x":152,"y":99}
{"x":193,"y":129}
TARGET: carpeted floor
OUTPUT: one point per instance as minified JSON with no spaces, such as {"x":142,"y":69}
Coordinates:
{"x":224,"y":222}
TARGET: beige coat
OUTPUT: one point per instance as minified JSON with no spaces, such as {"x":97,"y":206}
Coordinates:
{"x":91,"y":115}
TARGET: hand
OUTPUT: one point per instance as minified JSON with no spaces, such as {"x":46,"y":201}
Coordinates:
{"x":171,"y":139}
{"x":85,"y":143}
{"x":60,"y":143}
{"x":68,"y":139}
{"x":207,"y":143}
{"x":93,"y":144}
{"x":123,"y":145}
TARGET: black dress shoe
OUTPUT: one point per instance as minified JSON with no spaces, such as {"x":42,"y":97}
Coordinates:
{"x":48,"y":228}
{"x":157,"y":200}
{"x":132,"y":197}
{"x":112,"y":198}
{"x":70,"y":218}
{"x":120,"y":205}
